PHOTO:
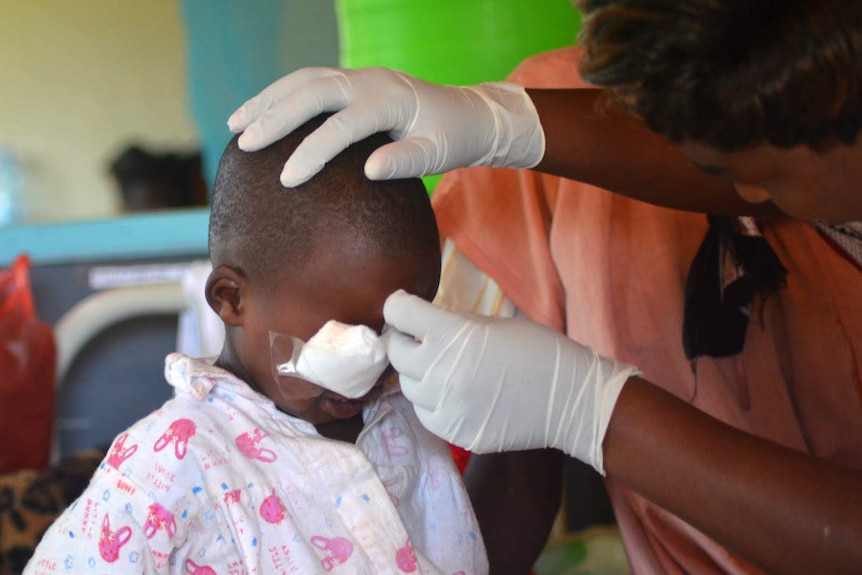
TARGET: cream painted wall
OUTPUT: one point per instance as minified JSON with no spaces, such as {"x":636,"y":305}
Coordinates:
{"x":80,"y":80}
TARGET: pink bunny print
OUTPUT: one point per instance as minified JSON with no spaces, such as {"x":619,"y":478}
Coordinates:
{"x":119,"y":452}
{"x":159,"y":518}
{"x":272,"y":509}
{"x":180,"y":431}
{"x":248,"y":444}
{"x":110,"y":542}
{"x":338,"y":550}
{"x":392,"y":486}
{"x":391,"y":437}
{"x":405,"y":559}
{"x":194,"y":569}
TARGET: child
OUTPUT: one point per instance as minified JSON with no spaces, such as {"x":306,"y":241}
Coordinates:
{"x":244,"y":471}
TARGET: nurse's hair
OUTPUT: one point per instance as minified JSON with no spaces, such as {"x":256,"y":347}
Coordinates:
{"x":731,"y":74}
{"x":264,"y":229}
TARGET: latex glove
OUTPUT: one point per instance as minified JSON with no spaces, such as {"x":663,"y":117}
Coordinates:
{"x":491,"y":384}
{"x":438,"y":128}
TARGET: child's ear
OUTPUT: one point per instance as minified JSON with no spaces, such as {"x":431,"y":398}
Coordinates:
{"x":224,"y":291}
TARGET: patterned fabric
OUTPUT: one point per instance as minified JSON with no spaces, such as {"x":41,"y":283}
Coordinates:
{"x":218,"y":481}
{"x":845,"y":238}
{"x":466,"y":288}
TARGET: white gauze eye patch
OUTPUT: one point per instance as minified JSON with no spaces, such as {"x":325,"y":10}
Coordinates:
{"x":346,"y":359}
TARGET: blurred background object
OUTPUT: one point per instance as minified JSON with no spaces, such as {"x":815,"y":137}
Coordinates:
{"x":11,"y":186}
{"x":151,"y":181}
{"x":80,"y":84}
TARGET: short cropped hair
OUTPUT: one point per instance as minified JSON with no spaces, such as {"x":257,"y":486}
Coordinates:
{"x":731,"y":74}
{"x":268,"y":229}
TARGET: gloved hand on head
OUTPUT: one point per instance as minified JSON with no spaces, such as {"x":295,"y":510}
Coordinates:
{"x":490,"y":384}
{"x":437,"y":128}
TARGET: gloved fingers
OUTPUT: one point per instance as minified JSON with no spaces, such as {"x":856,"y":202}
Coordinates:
{"x":282,"y":116}
{"x":453,"y":428}
{"x":422,"y":395}
{"x":423,"y":414}
{"x":403,"y":352}
{"x":353,"y":123}
{"x":408,"y":158}
{"x":430,"y":421}
{"x":413,"y":315}
{"x":252,"y":109}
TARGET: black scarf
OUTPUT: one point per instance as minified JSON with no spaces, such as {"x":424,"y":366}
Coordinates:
{"x":733,"y":265}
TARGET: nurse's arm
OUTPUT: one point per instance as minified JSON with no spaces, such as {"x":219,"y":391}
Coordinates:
{"x":782,"y":509}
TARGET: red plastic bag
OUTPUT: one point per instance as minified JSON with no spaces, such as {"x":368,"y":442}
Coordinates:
{"x":461,"y":457}
{"x":28,"y":358}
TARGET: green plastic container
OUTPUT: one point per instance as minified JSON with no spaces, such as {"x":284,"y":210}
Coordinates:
{"x":452,"y":41}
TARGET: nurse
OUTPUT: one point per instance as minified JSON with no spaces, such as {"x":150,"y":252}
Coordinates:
{"x":755,"y":105}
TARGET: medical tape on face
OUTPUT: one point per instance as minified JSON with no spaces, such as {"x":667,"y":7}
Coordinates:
{"x":345,"y":359}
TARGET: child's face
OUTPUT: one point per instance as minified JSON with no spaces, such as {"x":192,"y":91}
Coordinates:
{"x":349,"y":287}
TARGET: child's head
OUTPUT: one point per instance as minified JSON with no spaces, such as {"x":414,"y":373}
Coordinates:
{"x":289,"y":260}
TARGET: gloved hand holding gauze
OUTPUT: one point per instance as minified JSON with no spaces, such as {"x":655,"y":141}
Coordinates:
{"x":346,"y":359}
{"x":490,"y":384}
